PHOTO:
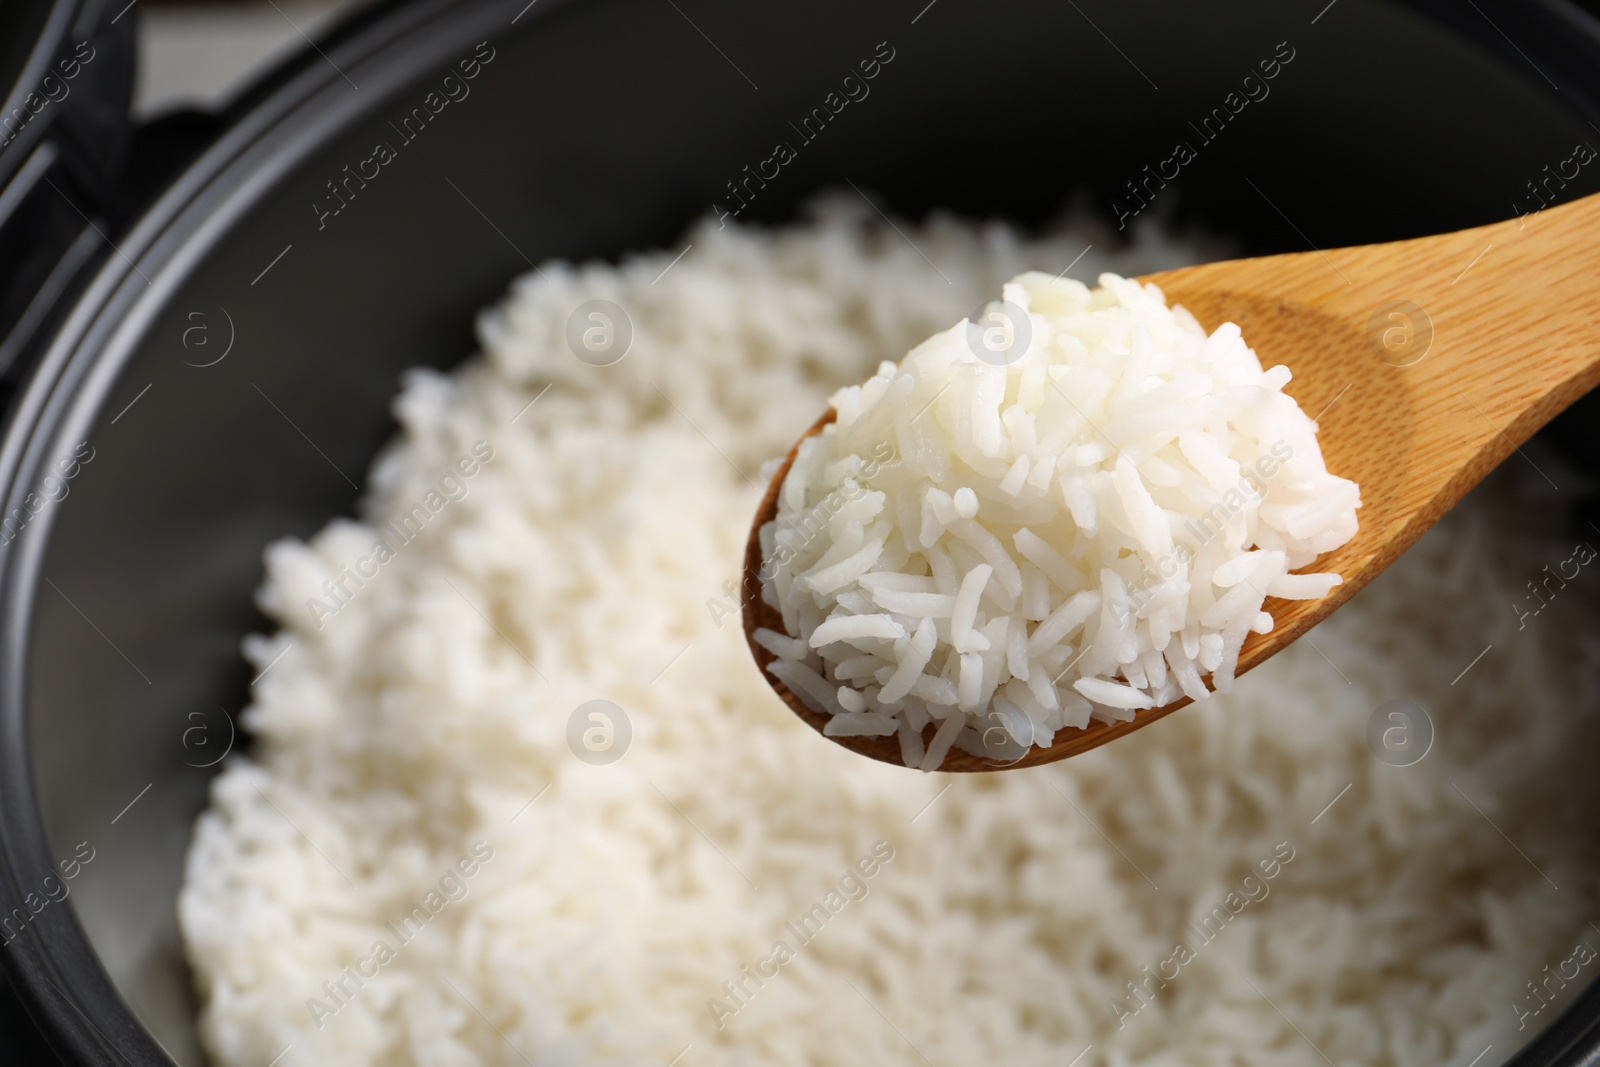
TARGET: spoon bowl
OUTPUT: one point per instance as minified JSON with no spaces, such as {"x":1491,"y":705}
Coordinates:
{"x":1425,"y":363}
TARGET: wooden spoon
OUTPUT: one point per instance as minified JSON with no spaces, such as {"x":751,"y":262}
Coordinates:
{"x":1425,"y":363}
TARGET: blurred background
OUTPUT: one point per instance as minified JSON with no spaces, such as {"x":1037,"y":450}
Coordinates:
{"x":192,"y":53}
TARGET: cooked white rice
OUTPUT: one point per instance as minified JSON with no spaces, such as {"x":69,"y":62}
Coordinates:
{"x":1069,"y":507}
{"x":595,"y":555}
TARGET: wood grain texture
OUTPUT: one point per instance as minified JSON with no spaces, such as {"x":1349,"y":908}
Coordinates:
{"x":1426,"y":363}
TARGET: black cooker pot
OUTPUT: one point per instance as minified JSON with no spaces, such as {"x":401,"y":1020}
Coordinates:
{"x":212,"y":371}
